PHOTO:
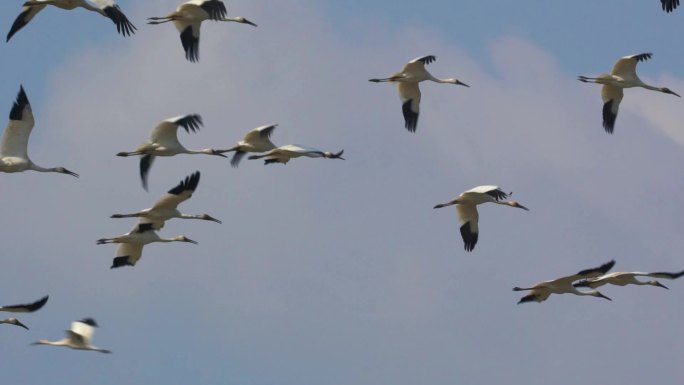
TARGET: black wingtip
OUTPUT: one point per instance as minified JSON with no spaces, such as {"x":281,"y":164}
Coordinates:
{"x":17,"y":111}
{"x":469,"y":238}
{"x":609,"y":117}
{"x":145,"y":164}
{"x":120,"y":262}
{"x":190,"y":45}
{"x":410,"y":117}
{"x":189,"y":184}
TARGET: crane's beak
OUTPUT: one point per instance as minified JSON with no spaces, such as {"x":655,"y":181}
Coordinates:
{"x":460,"y":83}
{"x":661,"y":285}
{"x":602,"y":296}
{"x":249,"y":22}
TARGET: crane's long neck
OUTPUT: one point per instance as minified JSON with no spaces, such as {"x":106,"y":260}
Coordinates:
{"x":228,"y":150}
{"x":190,"y":216}
{"x":64,"y":342}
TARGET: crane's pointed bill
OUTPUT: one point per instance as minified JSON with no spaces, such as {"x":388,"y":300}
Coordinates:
{"x":469,"y":237}
{"x":16,"y":322}
{"x":123,"y":25}
{"x":410,"y":116}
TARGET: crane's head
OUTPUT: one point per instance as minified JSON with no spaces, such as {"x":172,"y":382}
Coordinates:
{"x":656,"y":283}
{"x":242,"y":20}
{"x":518,"y":205}
{"x":669,"y":91}
{"x":207,"y":217}
{"x":457,"y":82}
{"x":14,"y":321}
{"x":63,"y":170}
{"x":330,"y":155}
{"x":182,"y":238}
{"x":598,"y":294}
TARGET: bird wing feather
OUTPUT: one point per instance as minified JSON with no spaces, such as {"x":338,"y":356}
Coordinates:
{"x":26,"y":15}
{"x":626,"y":66}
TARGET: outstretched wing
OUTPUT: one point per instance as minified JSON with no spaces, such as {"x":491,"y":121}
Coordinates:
{"x":669,"y":5}
{"x":588,"y":273}
{"x":26,"y":308}
{"x":409,"y":93}
{"x":111,"y":10}
{"x":468,"y":218}
{"x":626,"y":66}
{"x":18,"y":129}
{"x":27,"y":13}
{"x":182,"y":192}
{"x":127,"y":254}
{"x":612,"y":96}
{"x":166,"y":132}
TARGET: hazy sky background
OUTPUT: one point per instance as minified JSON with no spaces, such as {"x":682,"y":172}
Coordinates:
{"x":340,"y":272}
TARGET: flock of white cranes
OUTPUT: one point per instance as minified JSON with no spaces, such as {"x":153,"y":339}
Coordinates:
{"x":163,"y":141}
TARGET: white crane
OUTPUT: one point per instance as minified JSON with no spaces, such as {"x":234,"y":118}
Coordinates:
{"x":13,"y":150}
{"x":23,"y":308}
{"x":466,"y":207}
{"x":669,"y":5}
{"x":627,"y":278}
{"x":256,"y":140}
{"x":106,"y":8}
{"x":131,"y":243}
{"x":413,"y":73}
{"x":283,"y":154}
{"x":166,"y":207}
{"x":623,"y":75}
{"x":164,"y":142}
{"x":188,"y":18}
{"x":78,"y":337}
{"x":563,"y":285}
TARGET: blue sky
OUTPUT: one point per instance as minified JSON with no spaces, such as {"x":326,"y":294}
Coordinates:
{"x":338,"y":272}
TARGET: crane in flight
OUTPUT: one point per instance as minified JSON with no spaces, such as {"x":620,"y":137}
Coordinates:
{"x":627,"y":278}
{"x":408,"y":78}
{"x":256,"y":140}
{"x":23,"y":308}
{"x":188,"y":18}
{"x":106,"y":8}
{"x":14,"y":145}
{"x":466,"y":208}
{"x":623,"y":75}
{"x":167,"y":207}
{"x":164,"y":142}
{"x":283,"y":154}
{"x":564,"y":285}
{"x":78,"y":337}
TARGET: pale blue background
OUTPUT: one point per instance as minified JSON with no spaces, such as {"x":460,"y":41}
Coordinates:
{"x":340,"y":272}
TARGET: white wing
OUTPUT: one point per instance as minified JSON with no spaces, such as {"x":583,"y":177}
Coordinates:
{"x":612,"y":96}
{"x":18,"y":129}
{"x":468,"y":218}
{"x":166,"y":132}
{"x":84,"y":330}
{"x":409,"y":93}
{"x":127,"y":254}
{"x":626,"y":66}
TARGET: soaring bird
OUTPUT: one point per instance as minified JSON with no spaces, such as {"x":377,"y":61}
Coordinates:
{"x":466,"y":207}
{"x":23,"y":308}
{"x":669,"y":5}
{"x":413,"y":73}
{"x":13,"y":150}
{"x":78,"y":336}
{"x":283,"y":154}
{"x":188,"y":19}
{"x":166,"y":207}
{"x":106,"y":8}
{"x":627,"y":278}
{"x":164,"y":142}
{"x":542,"y":290}
{"x":256,"y":140}
{"x":623,"y":75}
{"x":131,"y":243}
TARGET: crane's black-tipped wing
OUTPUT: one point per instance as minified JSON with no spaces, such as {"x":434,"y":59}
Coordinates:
{"x":17,"y":111}
{"x":120,"y":262}
{"x":26,"y":308}
{"x":123,"y":25}
{"x":497,"y":194}
{"x":191,"y":122}
{"x":597,"y":271}
{"x":469,"y":237}
{"x":237,"y":157}
{"x":190,"y":41}
{"x":27,"y":13}
{"x":528,"y":298}
{"x":145,"y":164}
{"x":410,"y":116}
{"x":424,"y":59}
{"x":669,"y":5}
{"x":667,"y":275}
{"x":189,"y":184}
{"x":142,"y":227}
{"x":215,"y":8}
{"x":88,"y":321}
